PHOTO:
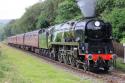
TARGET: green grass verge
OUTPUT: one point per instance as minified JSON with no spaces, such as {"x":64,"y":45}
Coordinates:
{"x":120,"y":64}
{"x":7,"y":71}
{"x":30,"y":69}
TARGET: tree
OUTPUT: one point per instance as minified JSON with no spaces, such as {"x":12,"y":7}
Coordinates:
{"x":51,"y":12}
{"x":67,"y":10}
{"x":115,"y":17}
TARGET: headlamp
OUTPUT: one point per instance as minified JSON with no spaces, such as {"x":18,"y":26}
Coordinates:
{"x":97,"y":23}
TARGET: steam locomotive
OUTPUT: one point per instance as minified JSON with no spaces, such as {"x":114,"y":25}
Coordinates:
{"x":86,"y":44}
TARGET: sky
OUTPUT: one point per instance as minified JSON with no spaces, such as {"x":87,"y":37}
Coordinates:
{"x":14,"y":9}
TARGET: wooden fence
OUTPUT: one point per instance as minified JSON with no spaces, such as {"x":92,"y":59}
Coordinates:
{"x":119,"y":49}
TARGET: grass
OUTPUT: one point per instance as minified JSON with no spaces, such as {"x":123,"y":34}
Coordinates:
{"x":23,"y":68}
{"x":120,"y":64}
{"x":7,"y":71}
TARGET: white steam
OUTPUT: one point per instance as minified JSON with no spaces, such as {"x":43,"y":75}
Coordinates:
{"x":87,"y":7}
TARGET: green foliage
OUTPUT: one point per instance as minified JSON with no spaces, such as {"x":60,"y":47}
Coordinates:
{"x":51,"y":12}
{"x":115,"y":17}
{"x":29,"y":19}
{"x":114,"y":12}
{"x":103,"y":5}
{"x":9,"y":29}
{"x":67,"y":10}
{"x":43,"y":21}
{"x":119,"y":3}
{"x":123,"y":40}
{"x":48,"y":13}
{"x":2,"y":34}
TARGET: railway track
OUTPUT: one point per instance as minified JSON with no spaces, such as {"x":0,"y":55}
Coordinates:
{"x":110,"y":77}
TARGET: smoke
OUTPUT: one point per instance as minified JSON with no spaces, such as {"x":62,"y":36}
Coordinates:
{"x":87,"y":7}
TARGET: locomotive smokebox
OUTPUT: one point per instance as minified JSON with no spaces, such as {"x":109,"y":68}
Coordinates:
{"x":87,"y":7}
